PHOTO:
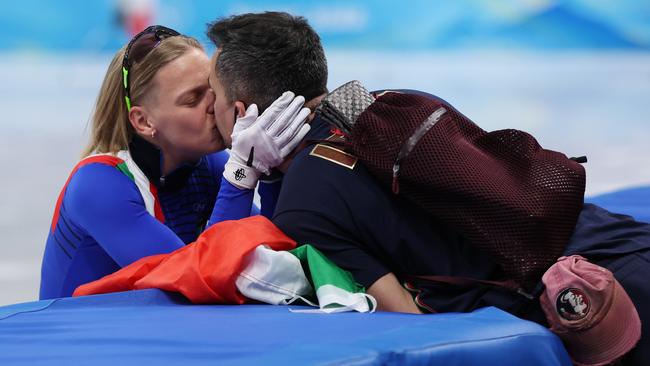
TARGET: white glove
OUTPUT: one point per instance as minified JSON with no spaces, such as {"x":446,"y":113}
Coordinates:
{"x":261,"y":143}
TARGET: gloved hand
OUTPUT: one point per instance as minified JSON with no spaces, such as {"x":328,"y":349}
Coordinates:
{"x":261,"y":143}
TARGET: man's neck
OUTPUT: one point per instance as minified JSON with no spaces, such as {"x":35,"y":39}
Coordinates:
{"x":314,"y":103}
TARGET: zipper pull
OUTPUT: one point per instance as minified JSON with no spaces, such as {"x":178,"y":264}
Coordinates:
{"x":395,"y":178}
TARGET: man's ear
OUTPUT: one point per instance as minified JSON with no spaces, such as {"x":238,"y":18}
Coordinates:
{"x":240,"y":109}
{"x":140,"y":121}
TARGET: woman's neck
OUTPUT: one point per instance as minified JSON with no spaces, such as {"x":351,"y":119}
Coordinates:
{"x":156,"y":164}
{"x":167,"y":164}
{"x":170,"y":162}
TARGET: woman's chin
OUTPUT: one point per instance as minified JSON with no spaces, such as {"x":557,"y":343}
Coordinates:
{"x":217,"y":146}
{"x":217,"y":143}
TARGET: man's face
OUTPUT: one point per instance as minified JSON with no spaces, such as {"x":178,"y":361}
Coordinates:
{"x":224,"y":110}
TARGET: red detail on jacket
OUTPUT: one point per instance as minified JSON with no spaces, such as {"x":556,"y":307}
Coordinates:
{"x":102,"y":159}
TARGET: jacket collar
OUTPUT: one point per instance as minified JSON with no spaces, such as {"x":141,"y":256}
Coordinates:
{"x":150,"y":159}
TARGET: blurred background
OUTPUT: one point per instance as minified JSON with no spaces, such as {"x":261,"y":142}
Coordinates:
{"x":574,"y":73}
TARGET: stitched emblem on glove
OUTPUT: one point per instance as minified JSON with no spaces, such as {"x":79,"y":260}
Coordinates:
{"x":240,"y":174}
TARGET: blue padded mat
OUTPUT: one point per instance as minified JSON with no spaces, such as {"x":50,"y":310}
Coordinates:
{"x":631,"y":201}
{"x":154,"y":327}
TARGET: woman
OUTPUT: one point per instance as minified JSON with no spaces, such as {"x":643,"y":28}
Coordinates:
{"x":151,"y":185}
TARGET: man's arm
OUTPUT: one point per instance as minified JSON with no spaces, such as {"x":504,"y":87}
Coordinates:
{"x":391,"y":296}
{"x":337,"y":244}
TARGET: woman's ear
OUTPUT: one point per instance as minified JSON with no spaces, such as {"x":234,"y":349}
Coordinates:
{"x":140,"y":121}
{"x":240,"y":109}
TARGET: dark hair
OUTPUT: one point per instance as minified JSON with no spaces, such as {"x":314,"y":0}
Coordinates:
{"x":262,"y":55}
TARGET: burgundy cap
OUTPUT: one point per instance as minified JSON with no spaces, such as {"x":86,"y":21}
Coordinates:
{"x":590,"y":311}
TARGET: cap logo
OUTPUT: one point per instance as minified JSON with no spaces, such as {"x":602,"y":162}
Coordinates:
{"x":572,"y":304}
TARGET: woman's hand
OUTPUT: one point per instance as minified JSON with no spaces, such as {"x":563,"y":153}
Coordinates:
{"x":261,"y":143}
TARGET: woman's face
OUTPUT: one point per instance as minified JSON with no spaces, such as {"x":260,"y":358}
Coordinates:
{"x":181,"y":109}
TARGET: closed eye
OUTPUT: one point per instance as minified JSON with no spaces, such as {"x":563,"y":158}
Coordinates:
{"x":192,"y":97}
{"x":191,"y":100}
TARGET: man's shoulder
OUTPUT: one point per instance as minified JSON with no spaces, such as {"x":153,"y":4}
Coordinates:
{"x":330,"y":152}
{"x":325,"y":164}
{"x":326,"y":179}
{"x":324,"y":150}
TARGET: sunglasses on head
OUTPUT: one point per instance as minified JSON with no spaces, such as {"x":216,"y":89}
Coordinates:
{"x":138,"y":48}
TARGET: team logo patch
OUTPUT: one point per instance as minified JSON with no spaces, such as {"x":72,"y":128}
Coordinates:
{"x":572,"y":304}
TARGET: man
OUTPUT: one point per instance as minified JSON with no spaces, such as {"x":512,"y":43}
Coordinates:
{"x":291,"y":57}
{"x":330,"y":200}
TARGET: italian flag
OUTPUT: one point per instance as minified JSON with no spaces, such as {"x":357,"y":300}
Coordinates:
{"x":243,"y":261}
{"x":304,"y":273}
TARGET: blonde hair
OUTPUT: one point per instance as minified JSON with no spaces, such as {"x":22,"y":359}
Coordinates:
{"x":111,"y":130}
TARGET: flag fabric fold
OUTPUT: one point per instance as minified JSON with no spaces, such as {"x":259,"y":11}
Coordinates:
{"x":304,"y":273}
{"x":242,"y":261}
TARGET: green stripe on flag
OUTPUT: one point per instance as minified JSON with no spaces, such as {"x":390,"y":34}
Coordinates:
{"x":323,"y":271}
